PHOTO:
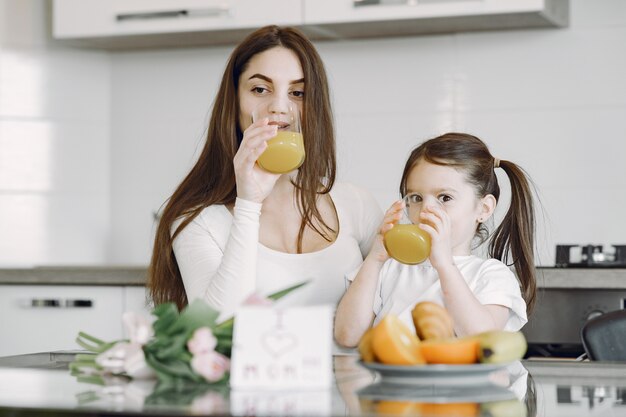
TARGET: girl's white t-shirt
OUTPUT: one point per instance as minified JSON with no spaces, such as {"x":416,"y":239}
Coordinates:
{"x":221,"y":260}
{"x":401,"y":287}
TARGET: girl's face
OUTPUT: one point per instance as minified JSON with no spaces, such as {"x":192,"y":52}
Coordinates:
{"x":274,"y":77}
{"x":431,"y":185}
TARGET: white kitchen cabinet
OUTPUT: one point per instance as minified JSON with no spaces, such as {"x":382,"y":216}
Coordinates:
{"x":133,"y":23}
{"x":135,"y":299}
{"x":120,"y":24}
{"x":360,"y":18}
{"x":39,"y":318}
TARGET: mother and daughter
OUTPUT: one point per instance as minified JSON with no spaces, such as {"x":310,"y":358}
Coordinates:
{"x":231,"y":228}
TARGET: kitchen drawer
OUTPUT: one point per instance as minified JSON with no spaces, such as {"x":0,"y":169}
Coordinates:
{"x":38,"y":318}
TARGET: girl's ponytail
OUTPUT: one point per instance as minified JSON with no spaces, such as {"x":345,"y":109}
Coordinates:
{"x":514,"y":237}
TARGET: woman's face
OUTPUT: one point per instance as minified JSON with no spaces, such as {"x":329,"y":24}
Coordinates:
{"x":273,"y":77}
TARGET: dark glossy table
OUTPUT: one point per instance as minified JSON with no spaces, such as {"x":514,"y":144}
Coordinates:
{"x":40,"y":384}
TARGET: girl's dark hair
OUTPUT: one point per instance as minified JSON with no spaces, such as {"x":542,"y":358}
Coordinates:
{"x":212,"y":179}
{"x":514,"y":237}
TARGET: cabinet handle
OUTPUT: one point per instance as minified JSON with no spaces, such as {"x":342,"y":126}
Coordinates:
{"x":57,"y":303}
{"x":169,"y":14}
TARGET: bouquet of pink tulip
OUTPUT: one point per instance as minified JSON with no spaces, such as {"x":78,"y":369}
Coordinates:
{"x":186,"y":346}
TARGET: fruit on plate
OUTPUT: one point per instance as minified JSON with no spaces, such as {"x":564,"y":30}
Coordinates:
{"x":432,"y":321}
{"x":393,"y":343}
{"x":500,"y":346}
{"x":457,"y":351}
{"x":365,"y":346}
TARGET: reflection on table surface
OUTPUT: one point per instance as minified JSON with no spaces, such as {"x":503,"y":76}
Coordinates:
{"x":529,"y":388}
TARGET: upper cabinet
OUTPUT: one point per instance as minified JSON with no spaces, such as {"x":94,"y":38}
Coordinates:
{"x":361,"y":18}
{"x":143,"y":23}
{"x":115,"y":24}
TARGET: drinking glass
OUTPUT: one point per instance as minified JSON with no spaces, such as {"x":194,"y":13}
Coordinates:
{"x":285,"y":151}
{"x":406,"y":242}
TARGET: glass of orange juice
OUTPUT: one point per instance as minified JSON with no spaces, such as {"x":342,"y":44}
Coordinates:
{"x":285,"y":151}
{"x":406,"y":242}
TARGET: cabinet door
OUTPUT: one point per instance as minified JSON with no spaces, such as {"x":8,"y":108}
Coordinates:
{"x":136,"y":299}
{"x":97,"y":18}
{"x":346,"y":11}
{"x":334,"y":11}
{"x":41,"y":318}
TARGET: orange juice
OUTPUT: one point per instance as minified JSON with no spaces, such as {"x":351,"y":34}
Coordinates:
{"x":284,"y":153}
{"x":407,"y":243}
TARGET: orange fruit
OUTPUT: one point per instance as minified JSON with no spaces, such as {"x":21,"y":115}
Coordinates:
{"x":394,"y":343}
{"x":450,"y":409}
{"x":365,"y":346}
{"x":450,"y":351}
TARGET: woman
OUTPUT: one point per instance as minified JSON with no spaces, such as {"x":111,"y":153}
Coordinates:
{"x":232,"y":229}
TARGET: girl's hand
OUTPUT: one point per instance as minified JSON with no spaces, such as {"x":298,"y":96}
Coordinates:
{"x":378,"y":253}
{"x":253,"y":182}
{"x":436,"y":222}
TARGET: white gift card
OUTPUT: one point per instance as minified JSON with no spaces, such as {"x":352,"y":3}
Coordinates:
{"x":281,"y":403}
{"x":282,"y":349}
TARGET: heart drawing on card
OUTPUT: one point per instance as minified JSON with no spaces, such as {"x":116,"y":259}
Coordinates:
{"x":277,"y":342}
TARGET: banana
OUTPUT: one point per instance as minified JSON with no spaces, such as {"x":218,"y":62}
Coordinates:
{"x":500,"y":346}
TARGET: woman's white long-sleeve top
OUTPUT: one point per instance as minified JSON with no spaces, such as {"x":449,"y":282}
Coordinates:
{"x":221,"y":260}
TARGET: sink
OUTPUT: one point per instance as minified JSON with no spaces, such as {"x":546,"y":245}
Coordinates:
{"x":44,"y":360}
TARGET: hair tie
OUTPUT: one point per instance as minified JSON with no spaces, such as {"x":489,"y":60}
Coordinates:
{"x":496,"y":163}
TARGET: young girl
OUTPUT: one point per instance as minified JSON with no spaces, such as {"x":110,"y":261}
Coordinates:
{"x":451,"y":190}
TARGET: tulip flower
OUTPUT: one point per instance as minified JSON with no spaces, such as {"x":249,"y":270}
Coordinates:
{"x":202,"y":341}
{"x":210,"y":365}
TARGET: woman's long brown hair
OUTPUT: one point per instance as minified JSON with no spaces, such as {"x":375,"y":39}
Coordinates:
{"x":212,"y":179}
{"x":514,"y":237}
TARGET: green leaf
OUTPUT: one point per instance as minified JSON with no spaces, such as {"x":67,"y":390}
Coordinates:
{"x":226,"y":325}
{"x":229,"y":323}
{"x":282,"y":293}
{"x":168,"y":349}
{"x":83,"y":340}
{"x":172,"y":369}
{"x":167,"y":314}
{"x":78,"y":367}
{"x":195,"y":315}
{"x":85,"y":357}
{"x":225,"y":348}
{"x":98,"y":345}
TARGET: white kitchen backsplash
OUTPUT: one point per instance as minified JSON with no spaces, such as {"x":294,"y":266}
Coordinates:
{"x":54,"y":144}
{"x":117,"y":131}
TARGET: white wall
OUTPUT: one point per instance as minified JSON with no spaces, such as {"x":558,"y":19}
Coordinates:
{"x":553,"y":101}
{"x":54,"y":144}
{"x":91,"y":142}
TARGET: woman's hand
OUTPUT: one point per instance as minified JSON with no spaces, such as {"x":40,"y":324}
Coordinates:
{"x":253,"y":182}
{"x":436,"y":222}
{"x":378,"y":253}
